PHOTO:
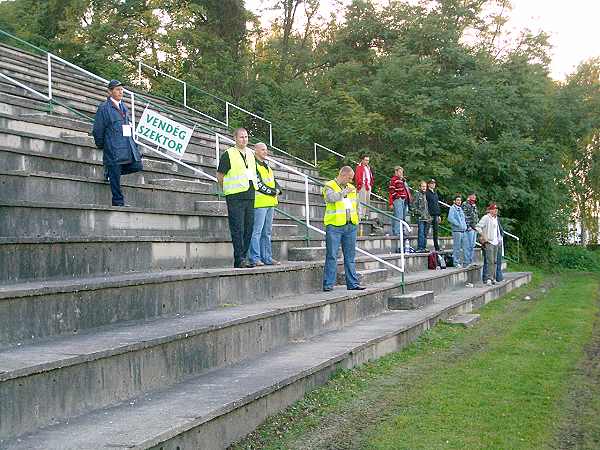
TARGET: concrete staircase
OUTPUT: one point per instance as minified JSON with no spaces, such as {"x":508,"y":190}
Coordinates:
{"x":127,"y":328}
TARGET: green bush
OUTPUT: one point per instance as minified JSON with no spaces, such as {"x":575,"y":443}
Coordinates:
{"x":577,"y":258}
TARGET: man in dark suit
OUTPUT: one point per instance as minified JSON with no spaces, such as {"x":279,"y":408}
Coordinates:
{"x":113,"y":134}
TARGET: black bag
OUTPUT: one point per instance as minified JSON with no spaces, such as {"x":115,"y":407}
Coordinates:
{"x":449,"y":260}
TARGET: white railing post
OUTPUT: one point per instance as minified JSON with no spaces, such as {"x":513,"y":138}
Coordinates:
{"x":270,"y":134}
{"x":217,"y":149}
{"x":185,"y":94}
{"x":402,"y":246}
{"x":133,"y":115}
{"x":49,"y":76}
{"x":306,"y":200}
{"x":227,"y":114}
{"x":140,"y":72}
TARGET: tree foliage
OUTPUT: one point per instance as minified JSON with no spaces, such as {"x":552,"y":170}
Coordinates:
{"x":440,"y":87}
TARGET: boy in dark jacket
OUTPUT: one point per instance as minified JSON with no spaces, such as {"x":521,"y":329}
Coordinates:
{"x":113,"y":134}
{"x":472,"y":218}
{"x":421,"y":211}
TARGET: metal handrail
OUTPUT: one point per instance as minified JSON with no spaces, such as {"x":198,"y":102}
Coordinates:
{"x":228,"y":105}
{"x":218,"y":137}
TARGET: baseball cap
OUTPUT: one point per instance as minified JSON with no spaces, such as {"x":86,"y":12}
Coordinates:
{"x":114,"y":83}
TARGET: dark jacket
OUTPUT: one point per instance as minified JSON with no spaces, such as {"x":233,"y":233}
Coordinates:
{"x":420,"y":208}
{"x":433,"y":203}
{"x":108,"y":134}
{"x":471,"y":215}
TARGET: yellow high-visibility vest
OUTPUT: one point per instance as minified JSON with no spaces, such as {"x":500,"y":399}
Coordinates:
{"x":238,"y":178}
{"x":335,"y":213}
{"x":262,"y":200}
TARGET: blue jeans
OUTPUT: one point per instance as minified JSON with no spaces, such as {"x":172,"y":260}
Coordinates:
{"x":400,"y":209}
{"x":470,"y":236}
{"x":346,"y":236}
{"x":422,"y":235}
{"x":260,"y":243}
{"x":499,"y":257}
{"x":460,"y":242}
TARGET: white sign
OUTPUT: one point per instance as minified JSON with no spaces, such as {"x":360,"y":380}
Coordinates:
{"x":164,"y":132}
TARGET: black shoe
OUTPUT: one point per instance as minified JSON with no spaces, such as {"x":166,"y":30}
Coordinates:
{"x":357,"y":288}
{"x":327,"y":289}
{"x":243,"y":264}
{"x":250,"y":265}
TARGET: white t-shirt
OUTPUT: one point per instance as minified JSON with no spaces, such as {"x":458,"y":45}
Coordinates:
{"x":495,"y":230}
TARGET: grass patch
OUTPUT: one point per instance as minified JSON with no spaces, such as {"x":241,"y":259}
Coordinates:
{"x":497,"y":385}
{"x":507,"y":395}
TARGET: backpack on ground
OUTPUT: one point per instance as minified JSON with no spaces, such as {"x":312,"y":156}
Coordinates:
{"x":432,"y":261}
{"x":441,"y":261}
{"x":449,"y":259}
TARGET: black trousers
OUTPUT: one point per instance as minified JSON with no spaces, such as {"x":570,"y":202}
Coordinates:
{"x":240,"y":213}
{"x":114,"y":172}
{"x":435,"y":226}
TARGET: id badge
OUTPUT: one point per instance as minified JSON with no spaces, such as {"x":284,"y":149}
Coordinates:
{"x":251,"y":174}
{"x":126,"y":130}
{"x":348,"y":203}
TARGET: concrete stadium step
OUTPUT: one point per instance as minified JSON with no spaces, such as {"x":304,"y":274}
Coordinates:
{"x":365,"y":277}
{"x":78,"y":93}
{"x":71,"y":257}
{"x":193,"y":412}
{"x":168,"y":349}
{"x":92,"y":188}
{"x":88,"y":103}
{"x":46,"y":308}
{"x":200,"y":151}
{"x":62,"y":220}
{"x":411,"y":300}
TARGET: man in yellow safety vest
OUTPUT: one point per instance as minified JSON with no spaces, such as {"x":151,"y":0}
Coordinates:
{"x":236,"y":175}
{"x":267,"y":189}
{"x":341,"y":222}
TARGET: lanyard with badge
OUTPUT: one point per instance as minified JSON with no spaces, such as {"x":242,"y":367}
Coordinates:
{"x":126,"y":126}
{"x":251,"y":174}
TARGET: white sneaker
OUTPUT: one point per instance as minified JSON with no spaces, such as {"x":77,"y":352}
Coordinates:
{"x":458,"y":266}
{"x":488,"y":282}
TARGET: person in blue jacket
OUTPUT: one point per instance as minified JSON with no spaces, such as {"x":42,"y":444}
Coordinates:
{"x":113,"y":134}
{"x":456,"y":217}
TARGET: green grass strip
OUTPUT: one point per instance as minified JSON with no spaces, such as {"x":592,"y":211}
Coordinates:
{"x":505,"y":396}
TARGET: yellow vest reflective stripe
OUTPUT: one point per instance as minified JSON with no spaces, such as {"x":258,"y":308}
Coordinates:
{"x":261,"y":200}
{"x":236,"y":180}
{"x":335,"y":213}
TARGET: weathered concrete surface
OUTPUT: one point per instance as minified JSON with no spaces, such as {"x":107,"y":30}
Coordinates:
{"x":411,"y":300}
{"x":464,"y":320}
{"x":192,"y":413}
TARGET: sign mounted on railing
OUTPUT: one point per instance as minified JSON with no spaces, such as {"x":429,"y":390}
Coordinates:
{"x":163,"y":132}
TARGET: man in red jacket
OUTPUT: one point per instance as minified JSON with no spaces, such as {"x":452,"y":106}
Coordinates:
{"x":363,"y":177}
{"x":399,"y":198}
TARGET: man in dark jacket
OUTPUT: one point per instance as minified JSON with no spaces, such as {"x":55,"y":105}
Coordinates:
{"x":113,"y":134}
{"x":433,"y":203}
{"x":472,"y":218}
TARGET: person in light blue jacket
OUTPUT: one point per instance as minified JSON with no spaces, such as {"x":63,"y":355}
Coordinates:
{"x":456,"y":217}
